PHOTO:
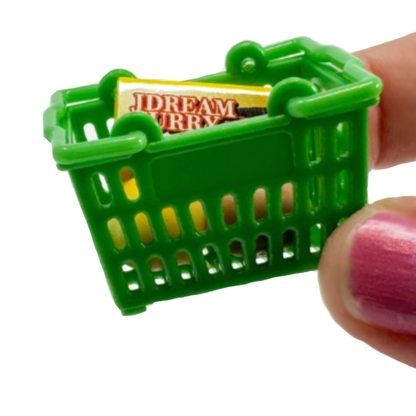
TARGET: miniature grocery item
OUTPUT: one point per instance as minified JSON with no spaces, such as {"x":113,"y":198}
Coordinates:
{"x":186,"y":213}
{"x":183,"y":106}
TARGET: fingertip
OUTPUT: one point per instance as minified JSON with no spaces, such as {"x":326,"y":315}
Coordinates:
{"x":367,"y":276}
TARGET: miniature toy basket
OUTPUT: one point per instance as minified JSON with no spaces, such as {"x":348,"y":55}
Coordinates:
{"x":309,"y":151}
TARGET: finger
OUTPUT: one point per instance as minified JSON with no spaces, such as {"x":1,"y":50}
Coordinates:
{"x":367,"y":276}
{"x":393,"y":121}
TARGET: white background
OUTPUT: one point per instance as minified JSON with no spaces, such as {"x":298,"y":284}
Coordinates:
{"x":262,"y":349}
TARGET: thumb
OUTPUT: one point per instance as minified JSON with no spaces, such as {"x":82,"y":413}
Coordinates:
{"x":367,"y":276}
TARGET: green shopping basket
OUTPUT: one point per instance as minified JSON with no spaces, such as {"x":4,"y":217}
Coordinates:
{"x":309,"y":151}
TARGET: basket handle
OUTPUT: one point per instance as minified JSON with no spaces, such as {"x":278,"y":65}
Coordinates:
{"x":364,"y":90}
{"x":75,"y":155}
{"x":338,"y":100}
{"x":360,"y":94}
{"x":78,"y":155}
{"x":361,"y":88}
{"x":71,"y":155}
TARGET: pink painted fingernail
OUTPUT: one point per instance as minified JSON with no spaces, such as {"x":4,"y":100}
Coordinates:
{"x":383,"y":272}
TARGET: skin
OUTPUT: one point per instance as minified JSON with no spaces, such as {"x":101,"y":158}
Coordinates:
{"x":392,"y":142}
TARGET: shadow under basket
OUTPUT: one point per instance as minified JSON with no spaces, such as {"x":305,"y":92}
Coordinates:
{"x":178,"y":215}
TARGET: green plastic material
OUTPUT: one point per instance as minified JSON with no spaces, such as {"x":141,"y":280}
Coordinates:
{"x":313,"y":137}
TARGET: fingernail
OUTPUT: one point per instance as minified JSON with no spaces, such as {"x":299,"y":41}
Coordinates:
{"x":383,"y":272}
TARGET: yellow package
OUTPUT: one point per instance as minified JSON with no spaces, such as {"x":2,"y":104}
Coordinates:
{"x":182,"y":106}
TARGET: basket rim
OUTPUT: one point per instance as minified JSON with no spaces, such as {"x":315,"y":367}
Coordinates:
{"x":290,"y":99}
